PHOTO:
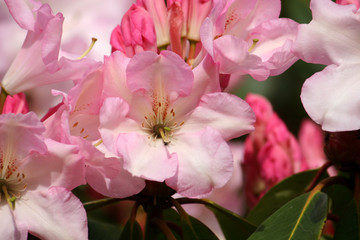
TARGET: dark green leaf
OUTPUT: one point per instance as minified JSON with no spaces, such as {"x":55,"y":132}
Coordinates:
{"x":301,"y":218}
{"x":233,"y":226}
{"x":280,"y":194}
{"x":132,"y":231}
{"x":179,"y":228}
{"x":348,"y":225}
{"x":103,"y":231}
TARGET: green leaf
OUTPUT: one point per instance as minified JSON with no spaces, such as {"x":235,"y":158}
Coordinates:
{"x":196,"y":229}
{"x":131,"y":231}
{"x":280,"y":194}
{"x":179,"y":228}
{"x":233,"y":226}
{"x":348,"y":225}
{"x":103,"y":231}
{"x":301,"y":218}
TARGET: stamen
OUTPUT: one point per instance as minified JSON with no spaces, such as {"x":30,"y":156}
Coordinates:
{"x":255,"y":41}
{"x":93,"y":41}
{"x":98,"y":143}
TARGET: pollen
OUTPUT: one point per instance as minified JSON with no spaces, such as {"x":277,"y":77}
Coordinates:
{"x":12,"y":181}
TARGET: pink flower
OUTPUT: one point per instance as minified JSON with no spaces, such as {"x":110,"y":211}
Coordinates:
{"x":332,"y":38}
{"x":262,"y":40}
{"x":37,"y":62}
{"x":271,"y":152}
{"x":37,"y":175}
{"x":15,"y":104}
{"x":76,"y":122}
{"x":167,"y":128}
{"x":136,"y":32}
{"x":311,"y":140}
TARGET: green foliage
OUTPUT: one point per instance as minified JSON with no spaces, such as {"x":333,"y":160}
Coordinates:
{"x":103,"y":231}
{"x":232,"y":225}
{"x":301,"y":218}
{"x":280,"y":194}
{"x":132,"y":231}
{"x":348,"y":226}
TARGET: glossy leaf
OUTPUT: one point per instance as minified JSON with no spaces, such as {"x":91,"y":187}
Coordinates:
{"x":280,"y":194}
{"x":232,"y":225}
{"x":301,"y":218}
{"x":132,"y":231}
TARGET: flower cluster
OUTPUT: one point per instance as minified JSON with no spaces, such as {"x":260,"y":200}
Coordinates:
{"x":153,"y":109}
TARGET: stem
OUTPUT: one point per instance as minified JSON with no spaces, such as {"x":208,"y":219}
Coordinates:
{"x":92,"y":205}
{"x":211,"y":204}
{"x":182,"y":212}
{"x":164,"y":228}
{"x":330,"y":181}
{"x":318,"y":175}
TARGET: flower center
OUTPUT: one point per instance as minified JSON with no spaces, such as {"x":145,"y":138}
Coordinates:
{"x":12,"y":182}
{"x":160,"y":123}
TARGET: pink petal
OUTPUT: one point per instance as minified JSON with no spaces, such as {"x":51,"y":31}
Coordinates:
{"x":275,"y":42}
{"x":20,"y":135}
{"x":228,"y":114}
{"x":332,"y":102}
{"x":331,"y":37}
{"x":9,"y":228}
{"x":205,"y":162}
{"x":52,"y":214}
{"x":149,"y":72}
{"x":240,"y":60}
{"x":145,"y":157}
{"x":123,"y":184}
{"x":61,"y":166}
{"x":22,"y":13}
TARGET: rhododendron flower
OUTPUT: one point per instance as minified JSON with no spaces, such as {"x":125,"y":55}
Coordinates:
{"x":166,"y":128}
{"x":36,"y":175}
{"x":248,"y":37}
{"x":271,"y":152}
{"x":330,"y":97}
{"x":37,"y":62}
{"x":75,"y":121}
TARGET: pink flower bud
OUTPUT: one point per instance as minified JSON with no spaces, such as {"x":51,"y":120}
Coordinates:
{"x":271,"y":151}
{"x":15,"y":104}
{"x":136,"y":32}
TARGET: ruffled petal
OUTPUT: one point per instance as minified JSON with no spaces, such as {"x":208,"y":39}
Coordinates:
{"x":61,"y":166}
{"x":333,"y":36}
{"x":52,"y":214}
{"x":205,"y":162}
{"x":331,"y":101}
{"x":228,"y":114}
{"x":149,"y":73}
{"x":275,"y":42}
{"x":146,"y":157}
